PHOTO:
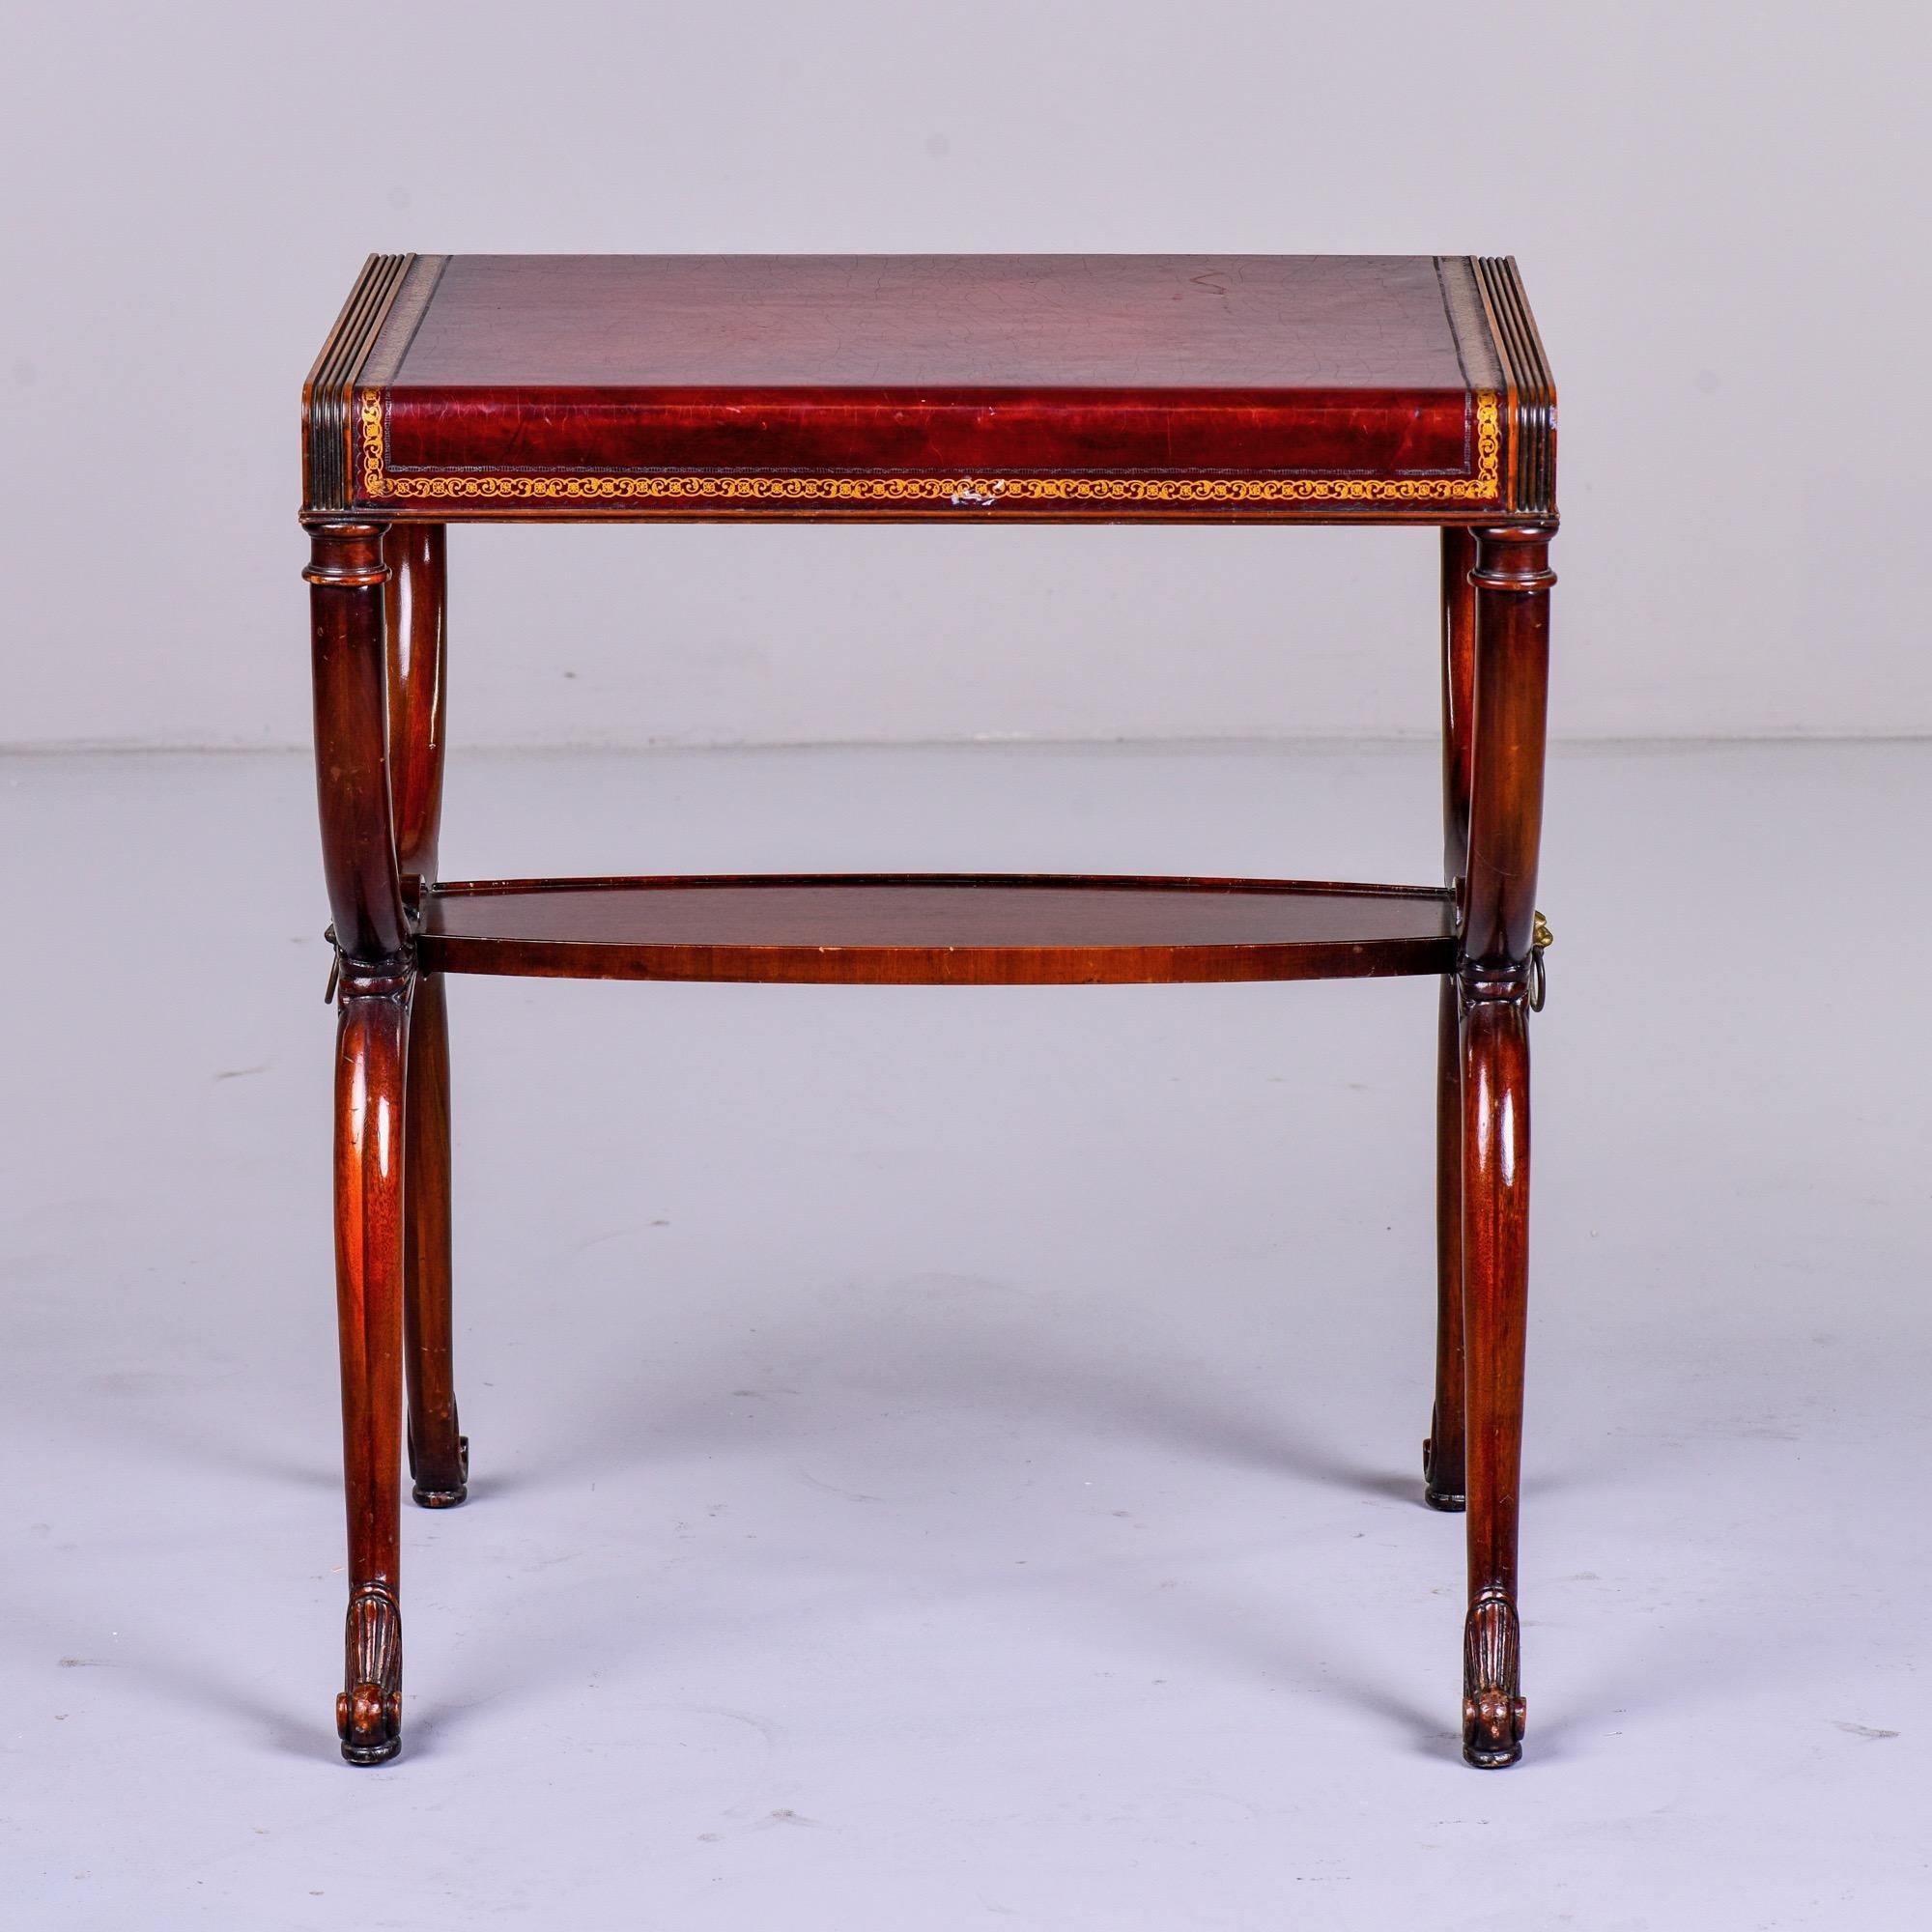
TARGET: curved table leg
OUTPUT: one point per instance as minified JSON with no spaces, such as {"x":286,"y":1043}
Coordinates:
{"x":1495,"y":1226}
{"x":1442,"y":1452}
{"x":370,"y":1073}
{"x":438,"y":1450}
{"x":347,"y":577}
{"x":1511,"y":582}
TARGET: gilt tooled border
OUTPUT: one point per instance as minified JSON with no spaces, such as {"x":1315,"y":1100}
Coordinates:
{"x":381,"y":485}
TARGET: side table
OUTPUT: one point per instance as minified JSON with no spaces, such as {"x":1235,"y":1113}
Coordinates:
{"x":1152,"y":389}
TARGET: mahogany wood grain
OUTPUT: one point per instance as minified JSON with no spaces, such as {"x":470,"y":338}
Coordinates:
{"x":1442,"y":1452}
{"x":1459,"y":697}
{"x":1513,"y":579}
{"x":439,"y":1452}
{"x":937,"y":929}
{"x":1496,"y":1260}
{"x":370,"y":1072}
{"x":414,"y":610}
{"x":414,"y":601}
{"x":1443,"y":1483}
{"x":346,"y":576}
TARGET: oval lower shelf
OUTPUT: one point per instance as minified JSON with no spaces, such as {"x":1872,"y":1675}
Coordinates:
{"x":970,"y":930}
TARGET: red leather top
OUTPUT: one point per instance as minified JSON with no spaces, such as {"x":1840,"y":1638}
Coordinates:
{"x":569,"y":382}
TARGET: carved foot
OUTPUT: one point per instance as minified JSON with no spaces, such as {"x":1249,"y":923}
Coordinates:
{"x":452,"y":1488}
{"x":1492,"y":1708}
{"x":369,"y":1714}
{"x":1436,"y":1491}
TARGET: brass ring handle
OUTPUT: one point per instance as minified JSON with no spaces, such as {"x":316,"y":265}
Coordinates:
{"x":1541,"y":940}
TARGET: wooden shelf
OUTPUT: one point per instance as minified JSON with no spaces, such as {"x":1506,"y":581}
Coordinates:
{"x":976,"y":929}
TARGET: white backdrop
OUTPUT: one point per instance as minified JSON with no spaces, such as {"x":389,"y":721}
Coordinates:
{"x":1719,"y":210}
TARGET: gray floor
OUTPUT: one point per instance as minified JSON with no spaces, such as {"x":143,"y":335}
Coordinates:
{"x":947,"y":1458}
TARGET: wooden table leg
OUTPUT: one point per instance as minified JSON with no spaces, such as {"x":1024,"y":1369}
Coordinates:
{"x":1495,"y":1222}
{"x":345,"y":576}
{"x":1442,"y":1475}
{"x":415,"y":604}
{"x":1442,"y":1452}
{"x":416,"y":614}
{"x":1511,"y":579}
{"x":438,"y":1451}
{"x":370,"y":1059}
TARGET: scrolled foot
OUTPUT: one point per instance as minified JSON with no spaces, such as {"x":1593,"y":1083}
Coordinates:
{"x":369,"y":1713}
{"x":439,"y":1489}
{"x":1443,"y":1487}
{"x":1492,"y":1706}
{"x":1439,"y":1496}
